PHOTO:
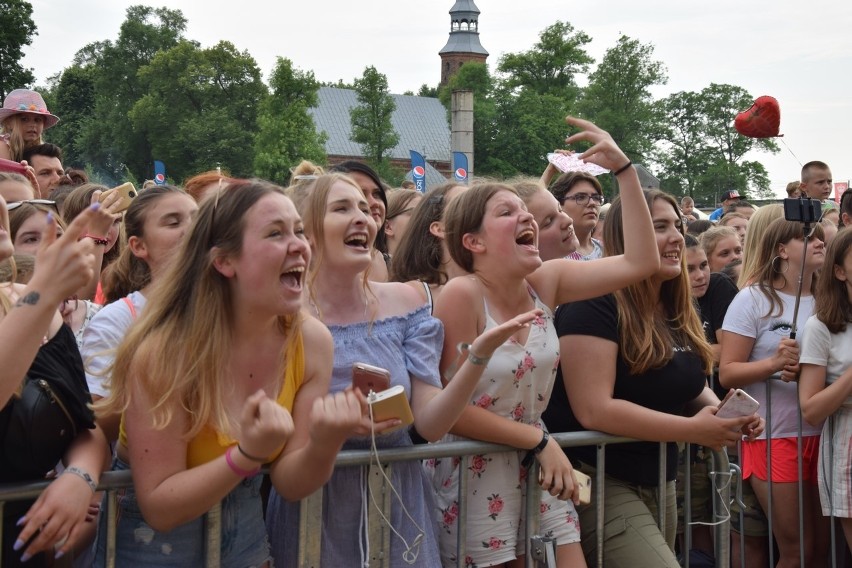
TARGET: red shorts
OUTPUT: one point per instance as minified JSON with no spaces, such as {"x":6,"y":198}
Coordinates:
{"x":785,"y":451}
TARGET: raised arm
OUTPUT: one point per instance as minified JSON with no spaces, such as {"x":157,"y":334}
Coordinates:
{"x":62,"y":265}
{"x":572,"y":281}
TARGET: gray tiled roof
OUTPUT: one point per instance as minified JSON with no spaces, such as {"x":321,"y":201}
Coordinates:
{"x":421,"y":123}
{"x":464,"y":42}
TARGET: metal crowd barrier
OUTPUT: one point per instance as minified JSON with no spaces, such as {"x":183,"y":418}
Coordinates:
{"x":541,"y":550}
{"x":837,"y":541}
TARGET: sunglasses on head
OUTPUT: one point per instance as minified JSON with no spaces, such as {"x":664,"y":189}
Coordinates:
{"x":46,"y":202}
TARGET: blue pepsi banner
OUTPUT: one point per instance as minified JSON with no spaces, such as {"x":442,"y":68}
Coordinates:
{"x":159,"y":172}
{"x":418,"y":171}
{"x":460,"y":167}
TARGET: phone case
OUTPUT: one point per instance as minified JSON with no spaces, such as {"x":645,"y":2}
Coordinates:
{"x":12,"y":166}
{"x":737,"y":403}
{"x":127,"y":191}
{"x":583,"y":481}
{"x":391,"y":403}
{"x":369,"y":378}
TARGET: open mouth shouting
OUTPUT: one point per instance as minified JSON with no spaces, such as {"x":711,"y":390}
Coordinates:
{"x":358,"y":241}
{"x":292,"y":278}
{"x":527,"y":239}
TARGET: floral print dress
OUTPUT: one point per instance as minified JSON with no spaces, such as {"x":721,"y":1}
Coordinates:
{"x":516,"y":384}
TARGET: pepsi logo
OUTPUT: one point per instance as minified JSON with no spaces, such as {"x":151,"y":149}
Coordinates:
{"x":159,"y":178}
{"x":418,"y":171}
{"x":461,"y":173}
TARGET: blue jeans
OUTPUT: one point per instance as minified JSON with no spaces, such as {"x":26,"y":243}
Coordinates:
{"x":244,"y":543}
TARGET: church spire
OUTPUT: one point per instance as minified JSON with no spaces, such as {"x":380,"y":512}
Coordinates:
{"x":463,"y":44}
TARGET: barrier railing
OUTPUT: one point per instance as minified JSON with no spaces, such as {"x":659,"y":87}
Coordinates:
{"x":541,"y":550}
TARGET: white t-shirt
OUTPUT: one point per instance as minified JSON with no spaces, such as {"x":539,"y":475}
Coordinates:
{"x":746,"y":316}
{"x":102,"y":337}
{"x":830,"y":350}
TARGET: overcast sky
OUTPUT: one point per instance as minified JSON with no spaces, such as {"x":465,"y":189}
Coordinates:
{"x":798,"y":52}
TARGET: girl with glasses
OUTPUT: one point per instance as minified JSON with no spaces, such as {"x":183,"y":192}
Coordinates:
{"x":581,"y":197}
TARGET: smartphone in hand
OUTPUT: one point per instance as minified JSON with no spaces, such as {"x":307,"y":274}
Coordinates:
{"x":369,"y":378}
{"x":737,"y":403}
{"x":126,"y":192}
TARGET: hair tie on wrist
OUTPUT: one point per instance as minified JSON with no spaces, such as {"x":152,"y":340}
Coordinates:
{"x":245,"y":473}
{"x":250,"y":457}
{"x":623,"y":168}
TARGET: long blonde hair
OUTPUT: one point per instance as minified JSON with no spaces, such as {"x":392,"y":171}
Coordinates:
{"x":178,"y":349}
{"x":645,"y":346}
{"x":756,"y":227}
{"x":17,"y":145}
{"x":311,"y":199}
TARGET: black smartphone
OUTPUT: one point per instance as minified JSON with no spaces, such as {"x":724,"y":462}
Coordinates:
{"x":802,"y":209}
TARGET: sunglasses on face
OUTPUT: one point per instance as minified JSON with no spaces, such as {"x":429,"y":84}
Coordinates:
{"x":582,"y":199}
{"x":45,"y":202}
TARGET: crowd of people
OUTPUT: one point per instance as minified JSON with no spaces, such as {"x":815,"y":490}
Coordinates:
{"x":195,"y":334}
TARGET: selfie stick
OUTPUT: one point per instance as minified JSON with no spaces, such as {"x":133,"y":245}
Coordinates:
{"x":799,"y":283}
{"x":807,"y":229}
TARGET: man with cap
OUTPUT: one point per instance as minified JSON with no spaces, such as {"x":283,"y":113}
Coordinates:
{"x":728,"y":198}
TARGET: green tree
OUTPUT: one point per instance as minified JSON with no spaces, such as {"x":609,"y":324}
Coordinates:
{"x":531,"y":125}
{"x":683,"y":154}
{"x":286,"y":131}
{"x":109,"y":141}
{"x":200,"y":108}
{"x":552,"y":64}
{"x":72,"y":97}
{"x":371,"y":118}
{"x":702,"y":154}
{"x":427,"y":91}
{"x":16,"y":30}
{"x":618,"y":96}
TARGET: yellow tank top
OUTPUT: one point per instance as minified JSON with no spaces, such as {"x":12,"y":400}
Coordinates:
{"x":209,"y":444}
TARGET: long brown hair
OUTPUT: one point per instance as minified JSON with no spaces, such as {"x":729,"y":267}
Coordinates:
{"x":311,"y":200}
{"x":832,"y":304}
{"x":464,"y":215}
{"x":179,"y":347}
{"x":420,"y":253}
{"x":765,"y":270}
{"x":647,"y":346}
{"x":130,"y":273}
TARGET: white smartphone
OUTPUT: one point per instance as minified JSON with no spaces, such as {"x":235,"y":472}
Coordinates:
{"x":737,"y":403}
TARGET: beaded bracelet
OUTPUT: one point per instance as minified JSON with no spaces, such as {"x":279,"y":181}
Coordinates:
{"x":246,"y":473}
{"x":103,"y":241}
{"x":82,"y":474}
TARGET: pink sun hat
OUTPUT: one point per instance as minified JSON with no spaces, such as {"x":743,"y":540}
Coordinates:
{"x":24,"y":100}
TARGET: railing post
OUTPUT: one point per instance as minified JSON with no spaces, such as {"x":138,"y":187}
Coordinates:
{"x":310,"y":530}
{"x":534,"y":542}
{"x":378,"y":532}
{"x":722,"y":502}
{"x":213,"y":536}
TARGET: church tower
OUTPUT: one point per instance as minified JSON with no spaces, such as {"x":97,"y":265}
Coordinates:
{"x":463,"y":45}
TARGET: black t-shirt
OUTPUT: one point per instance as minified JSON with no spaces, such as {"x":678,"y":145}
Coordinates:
{"x":712,"y":307}
{"x":667,"y":389}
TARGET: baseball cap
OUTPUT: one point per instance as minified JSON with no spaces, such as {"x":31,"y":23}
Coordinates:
{"x":731,"y":194}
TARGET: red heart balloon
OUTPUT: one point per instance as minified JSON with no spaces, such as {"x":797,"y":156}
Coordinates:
{"x":762,"y":120}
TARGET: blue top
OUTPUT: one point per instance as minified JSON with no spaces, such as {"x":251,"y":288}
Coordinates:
{"x":409,"y":346}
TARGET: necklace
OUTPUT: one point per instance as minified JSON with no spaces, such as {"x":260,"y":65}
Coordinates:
{"x":318,"y":313}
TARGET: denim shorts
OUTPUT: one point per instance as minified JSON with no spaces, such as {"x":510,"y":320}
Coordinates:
{"x":243,"y":542}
